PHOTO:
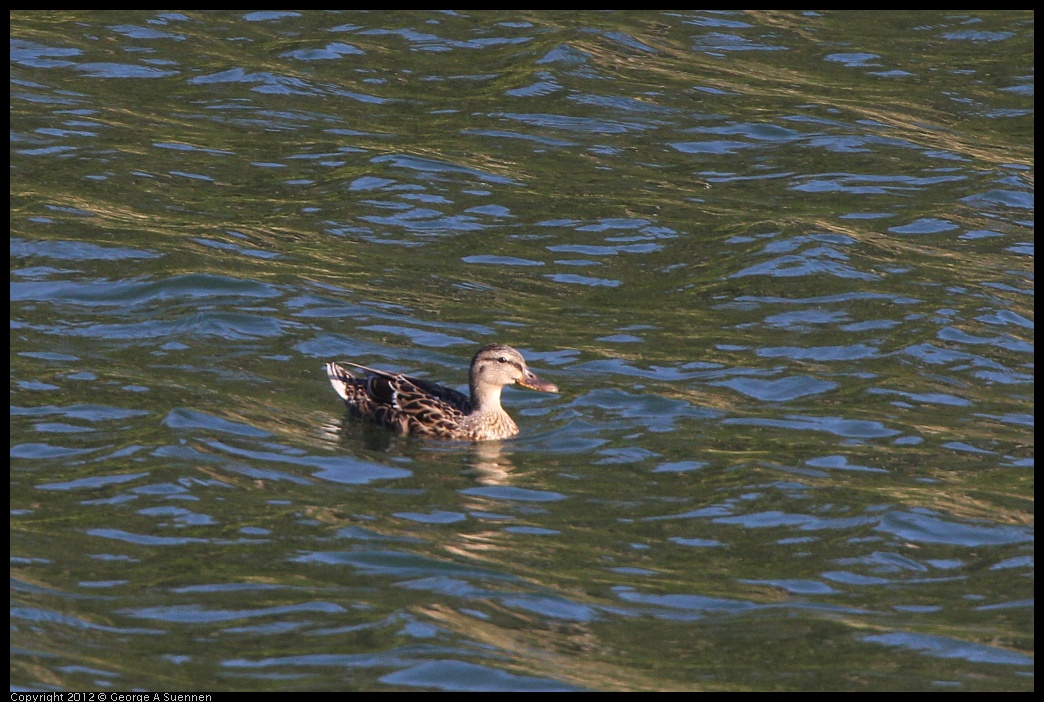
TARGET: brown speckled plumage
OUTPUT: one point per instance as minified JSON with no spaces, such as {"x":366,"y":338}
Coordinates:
{"x":422,"y":408}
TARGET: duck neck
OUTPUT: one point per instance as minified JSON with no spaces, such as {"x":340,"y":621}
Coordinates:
{"x":485,"y":398}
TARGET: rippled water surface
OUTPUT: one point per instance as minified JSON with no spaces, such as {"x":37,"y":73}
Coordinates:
{"x":780,"y":265}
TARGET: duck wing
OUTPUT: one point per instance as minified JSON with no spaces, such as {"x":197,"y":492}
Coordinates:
{"x":408,"y":405}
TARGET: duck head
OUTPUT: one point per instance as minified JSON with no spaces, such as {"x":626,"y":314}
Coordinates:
{"x":497,"y":365}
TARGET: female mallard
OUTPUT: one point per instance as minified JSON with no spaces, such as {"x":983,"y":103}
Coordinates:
{"x":422,"y":408}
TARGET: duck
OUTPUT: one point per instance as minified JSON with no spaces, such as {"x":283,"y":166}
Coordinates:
{"x":418,"y":407}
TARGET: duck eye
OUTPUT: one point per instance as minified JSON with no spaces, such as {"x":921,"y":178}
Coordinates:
{"x":503,"y":359}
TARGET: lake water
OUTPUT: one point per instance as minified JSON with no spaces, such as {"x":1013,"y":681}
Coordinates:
{"x":779,"y":263}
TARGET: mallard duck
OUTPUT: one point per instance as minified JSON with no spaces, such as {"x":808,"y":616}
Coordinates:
{"x":423,"y":408}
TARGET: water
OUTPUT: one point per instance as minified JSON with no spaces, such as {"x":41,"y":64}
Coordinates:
{"x":779,"y":263}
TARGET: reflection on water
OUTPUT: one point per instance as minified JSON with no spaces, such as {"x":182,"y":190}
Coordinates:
{"x":492,"y":465}
{"x":780,"y":265}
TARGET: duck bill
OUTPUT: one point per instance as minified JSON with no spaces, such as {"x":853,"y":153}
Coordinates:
{"x":530,"y":380}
